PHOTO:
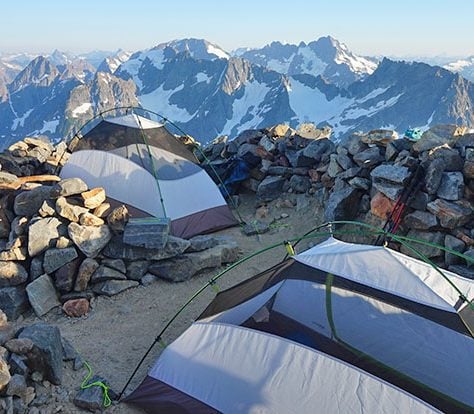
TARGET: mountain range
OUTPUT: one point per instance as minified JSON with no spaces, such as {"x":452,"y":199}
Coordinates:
{"x":208,"y":91}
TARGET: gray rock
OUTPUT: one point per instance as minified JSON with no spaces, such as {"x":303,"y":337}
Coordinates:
{"x":354,"y":144}
{"x":7,"y":178}
{"x":255,"y":227}
{"x":451,"y":186}
{"x":12,"y":274}
{"x":148,"y":233}
{"x":18,"y":225}
{"x":117,"y":264}
{"x":368,"y":158}
{"x":421,"y":220}
{"x":248,"y":152}
{"x":392,"y":173}
{"x":29,"y":202}
{"x":419,"y":201}
{"x":315,"y":152}
{"x":104,"y":273}
{"x":118,"y":219}
{"x":116,"y":249}
{"x":450,"y":156}
{"x":470,"y":253}
{"x":41,"y":235}
{"x":267,"y":143}
{"x":46,"y":356}
{"x":13,"y":301}
{"x":65,"y":276}
{"x":42,"y":295}
{"x":429,"y":140}
{"x":202,"y":242}
{"x":19,"y":346}
{"x":391,"y":190}
{"x":89,"y":239}
{"x":17,"y":386}
{"x":428,"y":251}
{"x":69,"y":211}
{"x":278,"y":170}
{"x":69,"y":352}
{"x":455,"y":244}
{"x":47,"y":209}
{"x":270,"y":188}
{"x":334,"y":168}
{"x":55,"y":258}
{"x":344,"y":160}
{"x":340,"y":205}
{"x":18,"y":365}
{"x":360,"y":183}
{"x":69,"y":187}
{"x":451,"y":215}
{"x":462,"y":271}
{"x":350,"y":173}
{"x":92,"y":398}
{"x":137,"y":269}
{"x":36,"y":267}
{"x":300,"y":184}
{"x":113,"y":287}
{"x":433,"y":175}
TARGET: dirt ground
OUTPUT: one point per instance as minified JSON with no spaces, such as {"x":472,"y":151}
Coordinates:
{"x":116,"y":333}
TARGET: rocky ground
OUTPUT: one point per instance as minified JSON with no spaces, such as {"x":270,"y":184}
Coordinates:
{"x":102,"y":289}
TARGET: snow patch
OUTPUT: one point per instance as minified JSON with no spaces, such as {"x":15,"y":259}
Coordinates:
{"x":81,"y":109}
{"x":280,"y":66}
{"x":212,"y":50}
{"x":49,"y":126}
{"x":373,"y":94}
{"x":158,"y":101}
{"x":311,"y":62}
{"x":203,"y":77}
{"x":21,"y":121}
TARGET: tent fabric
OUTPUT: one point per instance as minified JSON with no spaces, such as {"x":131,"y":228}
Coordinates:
{"x":113,"y":133}
{"x":131,"y":184}
{"x":409,"y":277}
{"x":278,"y":376}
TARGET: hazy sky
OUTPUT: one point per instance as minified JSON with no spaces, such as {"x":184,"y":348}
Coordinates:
{"x":373,"y":27}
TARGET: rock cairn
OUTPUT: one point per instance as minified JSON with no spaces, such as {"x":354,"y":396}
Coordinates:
{"x":364,"y":176}
{"x":62,"y":243}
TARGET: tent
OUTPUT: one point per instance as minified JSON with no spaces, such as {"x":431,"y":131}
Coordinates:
{"x":140,"y":164}
{"x":339,"y":328}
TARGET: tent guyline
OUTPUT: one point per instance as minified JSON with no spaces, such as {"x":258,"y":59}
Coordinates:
{"x":289,"y":246}
{"x":78,"y":134}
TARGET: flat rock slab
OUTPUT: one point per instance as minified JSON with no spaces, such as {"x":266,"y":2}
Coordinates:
{"x":29,"y":202}
{"x":89,"y":239}
{"x":41,"y":233}
{"x":104,"y":273}
{"x":42,"y":295}
{"x":56,"y":258}
{"x":113,"y":287}
{"x":47,"y":353}
{"x":148,"y":233}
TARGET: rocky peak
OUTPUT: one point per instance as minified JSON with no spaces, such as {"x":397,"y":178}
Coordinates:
{"x":197,"y":48}
{"x":40,"y":72}
{"x":237,"y":73}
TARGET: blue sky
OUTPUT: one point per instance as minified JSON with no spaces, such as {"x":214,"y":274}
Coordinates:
{"x":397,"y":27}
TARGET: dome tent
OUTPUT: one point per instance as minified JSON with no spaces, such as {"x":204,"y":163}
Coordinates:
{"x":371,"y":309}
{"x":142,"y":165}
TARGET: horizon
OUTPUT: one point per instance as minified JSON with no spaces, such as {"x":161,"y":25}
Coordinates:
{"x":368,"y":28}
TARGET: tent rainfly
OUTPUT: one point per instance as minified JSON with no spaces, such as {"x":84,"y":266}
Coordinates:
{"x":140,"y":164}
{"x":339,"y":328}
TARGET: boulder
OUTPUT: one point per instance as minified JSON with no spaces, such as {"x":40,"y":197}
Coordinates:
{"x":433,"y":174}
{"x":248,"y":152}
{"x":41,"y":234}
{"x":92,"y":398}
{"x":116,"y":249}
{"x":343,"y":159}
{"x":455,"y":244}
{"x":451,"y":186}
{"x":137,"y":269}
{"x":392,"y":173}
{"x":17,"y":387}
{"x":12,"y":274}
{"x":27,"y":203}
{"x":65,"y":276}
{"x":55,"y":258}
{"x":381,"y":206}
{"x":149,"y":233}
{"x":430,"y":139}
{"x":46,"y":355}
{"x":428,"y":251}
{"x":368,"y":158}
{"x":69,"y":211}
{"x":36,"y":267}
{"x":300,"y":184}
{"x":202,"y":242}
{"x":19,"y":346}
{"x":450,"y":215}
{"x":360,"y":183}
{"x":93,"y":198}
{"x":104,"y":273}
{"x":270,"y":188}
{"x":4,"y":375}
{"x":391,"y":190}
{"x":118,"y":218}
{"x":89,"y":239}
{"x":315,"y":152}
{"x":421,"y":220}
{"x":69,"y":187}
{"x":76,"y":308}
{"x":84,"y":274}
{"x":89,"y":219}
{"x":340,"y":205}
{"x":113,"y":287}
{"x":450,"y":156}
{"x":13,"y":301}
{"x":42,"y":295}
{"x":354,"y":144}
{"x":334,"y":168}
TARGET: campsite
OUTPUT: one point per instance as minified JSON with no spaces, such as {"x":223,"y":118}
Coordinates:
{"x":175,"y":284}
